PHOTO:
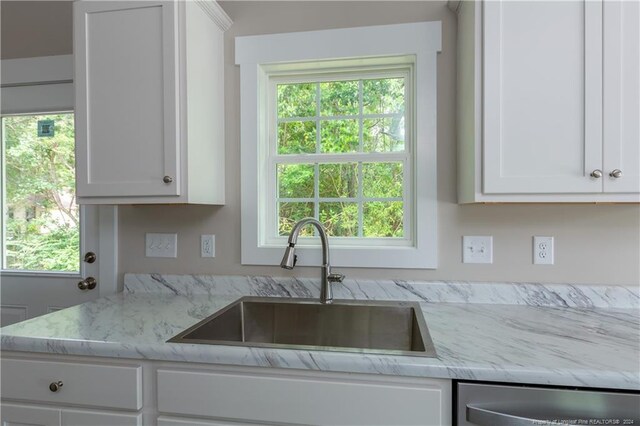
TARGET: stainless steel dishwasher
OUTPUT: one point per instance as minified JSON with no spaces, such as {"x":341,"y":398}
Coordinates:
{"x":506,"y":405}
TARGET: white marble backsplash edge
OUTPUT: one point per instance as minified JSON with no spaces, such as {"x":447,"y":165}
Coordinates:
{"x":529,"y":294}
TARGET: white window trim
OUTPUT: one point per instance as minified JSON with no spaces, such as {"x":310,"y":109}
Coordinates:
{"x":255,"y":53}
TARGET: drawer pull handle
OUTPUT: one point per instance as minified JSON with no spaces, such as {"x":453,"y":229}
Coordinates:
{"x":55,"y":386}
{"x":596,"y":174}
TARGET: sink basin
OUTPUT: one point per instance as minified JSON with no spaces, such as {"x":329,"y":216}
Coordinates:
{"x":393,"y":328}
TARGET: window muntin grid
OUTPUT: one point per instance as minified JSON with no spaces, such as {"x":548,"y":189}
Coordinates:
{"x":362,"y":155}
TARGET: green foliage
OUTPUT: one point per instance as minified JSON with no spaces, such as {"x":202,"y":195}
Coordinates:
{"x":296,"y":137}
{"x":339,"y":136}
{"x":290,"y":213}
{"x":383,"y":219}
{"x":32,"y":250}
{"x":338,"y":180}
{"x":340,"y":219}
{"x":382,"y":180}
{"x":383,"y":134}
{"x":382,"y":101}
{"x":40,"y":177}
{"x":297,"y":100}
{"x":296,"y":180}
{"x":339,"y":98}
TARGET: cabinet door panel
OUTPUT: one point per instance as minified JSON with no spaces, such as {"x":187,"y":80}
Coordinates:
{"x":94,"y":418}
{"x":171,"y":421}
{"x":542,"y":96}
{"x":271,"y":399}
{"x":25,"y":415}
{"x":622,"y":95}
{"x":126,"y":73}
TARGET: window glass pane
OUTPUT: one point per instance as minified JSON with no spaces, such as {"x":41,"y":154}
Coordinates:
{"x":383,"y":219}
{"x":42,"y":221}
{"x":339,"y":136}
{"x":297,"y":137}
{"x":296,"y":100}
{"x":340,"y":219}
{"x":338,"y":180}
{"x":296,"y":180}
{"x":290,"y":213}
{"x":383,"y":134}
{"x":382,"y":180}
{"x":339,"y":98}
{"x":384,"y":96}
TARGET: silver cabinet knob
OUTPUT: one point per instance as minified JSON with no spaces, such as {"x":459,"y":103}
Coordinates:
{"x":88,"y":283}
{"x":167,"y":179}
{"x":55,"y":386}
{"x":616,"y":173}
{"x":596,"y":174}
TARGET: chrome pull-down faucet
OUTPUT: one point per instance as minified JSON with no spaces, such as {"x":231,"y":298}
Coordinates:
{"x":326,"y":277}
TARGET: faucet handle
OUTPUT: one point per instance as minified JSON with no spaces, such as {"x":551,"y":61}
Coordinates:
{"x":335,"y":278}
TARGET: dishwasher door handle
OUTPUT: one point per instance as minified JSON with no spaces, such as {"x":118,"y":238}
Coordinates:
{"x":482,"y":416}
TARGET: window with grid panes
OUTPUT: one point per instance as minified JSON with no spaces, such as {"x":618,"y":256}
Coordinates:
{"x":340,"y":151}
{"x":340,"y":125}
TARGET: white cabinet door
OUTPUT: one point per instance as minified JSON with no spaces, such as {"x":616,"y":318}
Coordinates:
{"x":542,"y":96}
{"x":280,"y":398}
{"x":622,"y":96}
{"x":93,"y":418}
{"x":172,"y":421}
{"x":126,"y":98}
{"x":25,"y":415}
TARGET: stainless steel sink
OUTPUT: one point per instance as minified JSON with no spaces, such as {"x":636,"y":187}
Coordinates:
{"x":395,"y":328}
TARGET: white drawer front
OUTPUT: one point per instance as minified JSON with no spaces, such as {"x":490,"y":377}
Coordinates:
{"x":99,"y":385}
{"x":300,"y":400}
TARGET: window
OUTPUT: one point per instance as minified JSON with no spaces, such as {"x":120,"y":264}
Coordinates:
{"x":340,"y":154}
{"x":331,"y":131}
{"x":41,"y":217}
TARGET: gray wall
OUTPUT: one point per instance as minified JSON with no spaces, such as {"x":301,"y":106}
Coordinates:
{"x":594,"y":243}
{"x":35,"y":28}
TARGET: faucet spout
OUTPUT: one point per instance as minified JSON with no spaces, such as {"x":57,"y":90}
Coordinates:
{"x":289,"y":258}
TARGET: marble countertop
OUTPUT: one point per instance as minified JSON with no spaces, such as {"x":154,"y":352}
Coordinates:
{"x":533,"y":342}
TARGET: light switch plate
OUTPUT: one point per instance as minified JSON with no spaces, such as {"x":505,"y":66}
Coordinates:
{"x":477,"y":249}
{"x":161,"y":245}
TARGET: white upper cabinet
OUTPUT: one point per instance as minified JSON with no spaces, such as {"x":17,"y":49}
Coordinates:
{"x":149,"y":102}
{"x":539,"y":117}
{"x":621,"y":96}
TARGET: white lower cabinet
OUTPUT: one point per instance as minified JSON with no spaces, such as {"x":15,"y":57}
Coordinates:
{"x":174,"y":421}
{"x":18,"y":415}
{"x":285,"y":397}
{"x":33,"y":415}
{"x":46,"y":390}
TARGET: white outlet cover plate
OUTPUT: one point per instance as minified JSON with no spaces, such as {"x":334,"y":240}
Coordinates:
{"x":477,"y":249}
{"x":161,"y":245}
{"x":543,"y":250}
{"x":207,"y":245}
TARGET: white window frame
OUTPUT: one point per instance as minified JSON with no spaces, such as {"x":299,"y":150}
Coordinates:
{"x":263,"y":58}
{"x":400,"y":69}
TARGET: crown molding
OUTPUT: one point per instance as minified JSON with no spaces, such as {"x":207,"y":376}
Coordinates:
{"x":216,"y":13}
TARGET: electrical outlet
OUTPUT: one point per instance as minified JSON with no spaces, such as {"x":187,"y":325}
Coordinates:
{"x":161,"y":245}
{"x":477,"y":249}
{"x":207,"y":245}
{"x":543,"y":250}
